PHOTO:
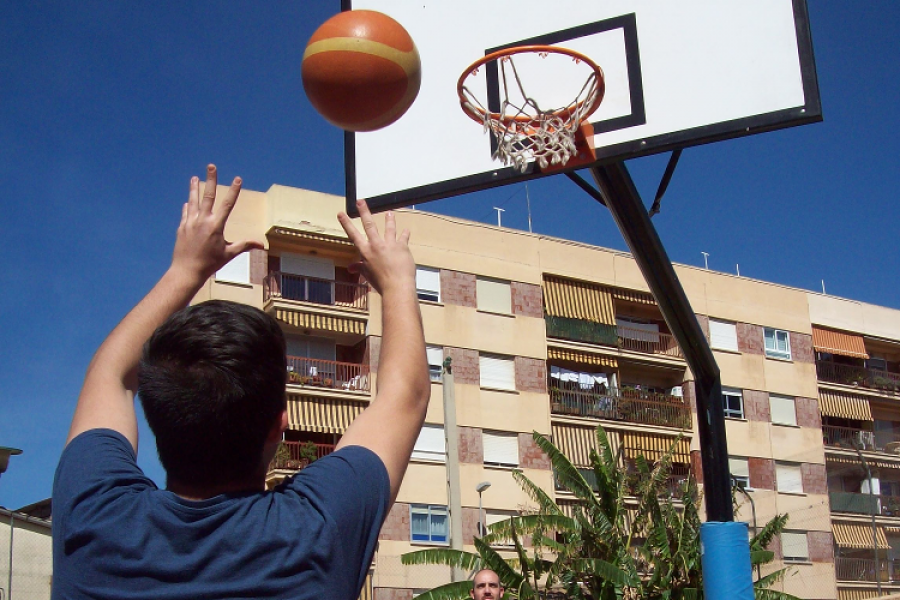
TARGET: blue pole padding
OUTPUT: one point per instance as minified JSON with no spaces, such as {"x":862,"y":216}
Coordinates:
{"x":725,"y":557}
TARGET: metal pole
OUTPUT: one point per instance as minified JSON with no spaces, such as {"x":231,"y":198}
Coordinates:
{"x":865,"y":466}
{"x":12,"y":523}
{"x":628,"y":211}
{"x":480,"y":517}
{"x":454,"y":493}
{"x":753,"y":514}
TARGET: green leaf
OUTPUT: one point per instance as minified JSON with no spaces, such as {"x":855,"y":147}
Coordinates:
{"x":458,"y":559}
{"x":457,"y":590}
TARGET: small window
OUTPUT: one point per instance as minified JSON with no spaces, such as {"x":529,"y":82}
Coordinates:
{"x":501,"y":449}
{"x":740,"y":471}
{"x":493,"y":295}
{"x":733,"y":401}
{"x":237,"y":270}
{"x":435,"y":355}
{"x":778,"y":343}
{"x":497,"y":372}
{"x":431,"y":444}
{"x":428,"y":284}
{"x":789,"y":477}
{"x":794,"y":546}
{"x":876,"y":363}
{"x":783,"y":410}
{"x":429,"y":523}
{"x":723,"y":335}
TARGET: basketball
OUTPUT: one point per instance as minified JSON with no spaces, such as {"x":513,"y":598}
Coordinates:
{"x":361,"y":70}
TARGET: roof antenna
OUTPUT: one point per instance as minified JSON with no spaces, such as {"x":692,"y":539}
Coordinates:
{"x":499,"y":210}
{"x":528,"y":202}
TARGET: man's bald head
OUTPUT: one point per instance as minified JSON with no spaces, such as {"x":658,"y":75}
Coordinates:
{"x":486,"y":586}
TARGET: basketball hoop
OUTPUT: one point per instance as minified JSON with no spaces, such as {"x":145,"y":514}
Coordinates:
{"x":524,"y":131}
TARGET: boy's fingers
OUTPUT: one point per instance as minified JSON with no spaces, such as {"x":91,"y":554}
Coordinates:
{"x":193,"y":203}
{"x":350,"y":229}
{"x":227,"y":203}
{"x":209,"y":191}
{"x":365,"y":215}
{"x":390,"y":226}
{"x":404,"y":237}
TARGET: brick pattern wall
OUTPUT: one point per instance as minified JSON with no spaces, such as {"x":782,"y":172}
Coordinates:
{"x":396,"y":525}
{"x":458,"y":288}
{"x":808,"y":414}
{"x":471,"y":447}
{"x":756,"y":406}
{"x":531,"y":375}
{"x":382,"y":593}
{"x":762,"y":473}
{"x":372,"y":352}
{"x":775,"y":547}
{"x":688,"y":390}
{"x":530,"y":455}
{"x":815,"y":481}
{"x":259,"y":265}
{"x":821,"y":546}
{"x":801,"y":348}
{"x":469,"y":525}
{"x":703,"y":320}
{"x":750,"y":339}
{"x":697,"y":466}
{"x":527,"y":300}
{"x":464,"y":363}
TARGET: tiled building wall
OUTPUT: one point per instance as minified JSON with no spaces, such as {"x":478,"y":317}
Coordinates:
{"x":396,"y":525}
{"x":526,"y":300}
{"x":808,"y":414}
{"x":530,"y":455}
{"x":750,"y":339}
{"x":259,"y":264}
{"x":756,"y":406}
{"x":815,"y":480}
{"x":762,"y":473}
{"x":802,"y":348}
{"x":458,"y":288}
{"x":821,"y":546}
{"x":464,"y":363}
{"x":392,"y":593}
{"x":471,"y":448}
{"x":531,"y":375}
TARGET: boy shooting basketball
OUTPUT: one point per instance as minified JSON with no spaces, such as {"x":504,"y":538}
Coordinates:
{"x":211,"y":378}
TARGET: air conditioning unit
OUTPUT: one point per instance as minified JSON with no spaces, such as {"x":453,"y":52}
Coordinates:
{"x":865,"y":440}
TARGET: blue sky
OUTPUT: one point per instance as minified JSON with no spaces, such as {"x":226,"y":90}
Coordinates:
{"x":107,"y":109}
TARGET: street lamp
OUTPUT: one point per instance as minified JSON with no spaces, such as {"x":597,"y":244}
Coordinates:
{"x":5,"y":453}
{"x":480,"y":489}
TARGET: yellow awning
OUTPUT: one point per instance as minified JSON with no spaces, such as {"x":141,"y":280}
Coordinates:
{"x":856,"y":594}
{"x":310,"y":236}
{"x":838,"y":342}
{"x":583,"y":358}
{"x":854,"y":460}
{"x":844,"y":405}
{"x":633,"y":296}
{"x":576,"y":442}
{"x":322,"y":415}
{"x":305,"y":320}
{"x":366,"y":592}
{"x":653,"y":446}
{"x":578,"y":300}
{"x":858,"y":535}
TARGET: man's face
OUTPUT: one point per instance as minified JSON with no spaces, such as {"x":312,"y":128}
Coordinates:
{"x":486,"y":586}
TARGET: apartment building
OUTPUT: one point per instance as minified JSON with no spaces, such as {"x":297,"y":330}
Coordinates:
{"x":555,"y":336}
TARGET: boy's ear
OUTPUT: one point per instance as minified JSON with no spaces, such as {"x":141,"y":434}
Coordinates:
{"x":276,"y":434}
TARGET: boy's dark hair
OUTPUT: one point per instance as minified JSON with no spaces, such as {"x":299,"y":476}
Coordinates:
{"x":212,"y":384}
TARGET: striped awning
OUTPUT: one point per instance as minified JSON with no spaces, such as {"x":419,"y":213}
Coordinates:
{"x":305,"y":320}
{"x":653,"y":446}
{"x":575,"y":442}
{"x":633,"y":296}
{"x":322,"y":415}
{"x":578,"y":300}
{"x":856,"y":594}
{"x":844,"y":405}
{"x":582,"y":358}
{"x":311,"y":236}
{"x":858,"y":536}
{"x":854,"y":461}
{"x":838,"y":342}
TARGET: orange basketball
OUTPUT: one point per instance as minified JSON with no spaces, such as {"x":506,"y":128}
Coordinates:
{"x":361,"y":70}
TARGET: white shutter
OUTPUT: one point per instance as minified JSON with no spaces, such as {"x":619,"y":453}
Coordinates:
{"x":722,"y":335}
{"x":310,"y":266}
{"x":497,"y":372}
{"x":431,"y":444}
{"x":642,"y":332}
{"x":237,"y":270}
{"x":501,"y":448}
{"x":789,"y":477}
{"x":435,"y":355}
{"x":794,"y":546}
{"x":739,"y":467}
{"x":428,"y":284}
{"x":782,"y":410}
{"x":493,"y":296}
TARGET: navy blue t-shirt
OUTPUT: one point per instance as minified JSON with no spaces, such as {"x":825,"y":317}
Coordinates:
{"x":116,"y":535}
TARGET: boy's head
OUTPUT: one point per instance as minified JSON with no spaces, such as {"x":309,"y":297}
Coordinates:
{"x":212,"y":384}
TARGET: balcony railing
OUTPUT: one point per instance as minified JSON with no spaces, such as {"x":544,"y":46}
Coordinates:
{"x":318,"y":291}
{"x":872,"y":379}
{"x":864,"y":504}
{"x":863,"y":569}
{"x":648,"y":342}
{"x":883,"y":440}
{"x":622,"y":337}
{"x":327,"y":374}
{"x":296,"y":455}
{"x":633,"y":406}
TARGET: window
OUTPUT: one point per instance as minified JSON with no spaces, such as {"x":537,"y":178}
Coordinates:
{"x":494,"y":516}
{"x":236,"y":271}
{"x":740,"y":471}
{"x":723,"y":335}
{"x":428,"y":523}
{"x":778,"y":343}
{"x":788,"y":477}
{"x":501,"y":448}
{"x":876,"y":363}
{"x":794,"y":546}
{"x":493,"y":296}
{"x":431,"y":444}
{"x":435,"y":355}
{"x":307,"y":278}
{"x":428,"y":284}
{"x":782,"y":410}
{"x":498,"y":372}
{"x":733,"y":401}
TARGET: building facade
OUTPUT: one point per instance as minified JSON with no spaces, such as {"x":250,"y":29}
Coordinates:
{"x":554,"y":336}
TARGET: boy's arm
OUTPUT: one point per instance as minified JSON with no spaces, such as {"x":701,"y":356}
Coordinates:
{"x":107,"y":396}
{"x":390,"y":425}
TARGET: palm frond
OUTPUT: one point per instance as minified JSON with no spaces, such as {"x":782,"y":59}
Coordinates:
{"x":457,"y":590}
{"x":566,"y":473}
{"x":458,"y":559}
{"x":536,"y":493}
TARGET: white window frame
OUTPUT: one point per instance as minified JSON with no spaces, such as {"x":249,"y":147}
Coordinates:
{"x":431,"y":444}
{"x":723,"y":335}
{"x":499,"y":448}
{"x":788,"y":477}
{"x":428,"y":284}
{"x":435,"y":357}
{"x":731,"y":413}
{"x":430,"y":510}
{"x":794,"y":543}
{"x":497,"y":372}
{"x":237,"y":270}
{"x":783,"y":410}
{"x":493,"y":295}
{"x":739,"y":468}
{"x":773,"y":351}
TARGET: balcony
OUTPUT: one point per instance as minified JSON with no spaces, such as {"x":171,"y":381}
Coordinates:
{"x":629,"y":405}
{"x":863,"y":569}
{"x":293,"y":456}
{"x":621,"y":337}
{"x":864,"y":504}
{"x":858,"y":376}
{"x":328,"y":374}
{"x":327,"y":292}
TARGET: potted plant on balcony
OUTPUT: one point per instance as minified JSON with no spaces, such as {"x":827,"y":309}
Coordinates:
{"x":308,"y":454}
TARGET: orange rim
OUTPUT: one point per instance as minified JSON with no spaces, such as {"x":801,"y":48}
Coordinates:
{"x":479,"y":115}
